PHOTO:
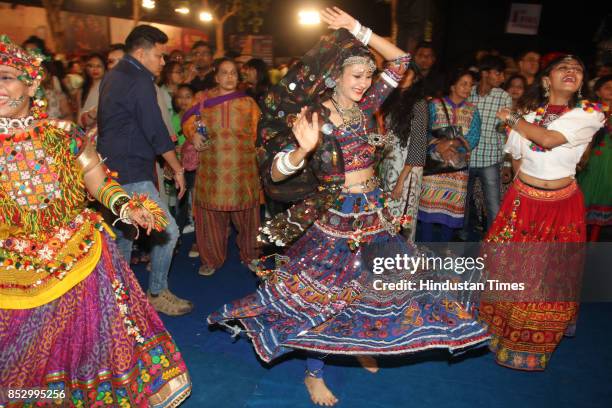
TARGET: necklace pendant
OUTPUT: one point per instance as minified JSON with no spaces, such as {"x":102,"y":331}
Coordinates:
{"x":377,"y":139}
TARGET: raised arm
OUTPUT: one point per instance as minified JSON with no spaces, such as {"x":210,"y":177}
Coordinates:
{"x":397,"y":59}
{"x":336,"y":18}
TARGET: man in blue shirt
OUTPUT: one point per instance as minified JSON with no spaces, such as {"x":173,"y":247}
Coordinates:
{"x":132,"y":134}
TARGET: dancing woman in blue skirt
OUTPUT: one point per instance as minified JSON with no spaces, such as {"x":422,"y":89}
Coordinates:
{"x":319,"y":148}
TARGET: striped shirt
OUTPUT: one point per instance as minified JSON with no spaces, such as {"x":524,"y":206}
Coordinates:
{"x":490,"y":148}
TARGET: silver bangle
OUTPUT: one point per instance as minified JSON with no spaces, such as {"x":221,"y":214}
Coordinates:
{"x":367,"y":36}
{"x":284,"y":166}
{"x":363,"y":34}
{"x":356,"y":29}
{"x":280,"y":166}
{"x":513,"y":119}
{"x":288,"y":165}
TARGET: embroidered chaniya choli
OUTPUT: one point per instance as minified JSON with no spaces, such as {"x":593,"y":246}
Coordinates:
{"x":321,"y":295}
{"x":73,"y":318}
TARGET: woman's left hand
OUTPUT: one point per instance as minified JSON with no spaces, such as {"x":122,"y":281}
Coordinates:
{"x":503,"y":114}
{"x":142,"y":218}
{"x":336,"y":18}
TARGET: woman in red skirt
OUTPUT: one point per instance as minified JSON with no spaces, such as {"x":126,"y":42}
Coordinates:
{"x":544,"y":205}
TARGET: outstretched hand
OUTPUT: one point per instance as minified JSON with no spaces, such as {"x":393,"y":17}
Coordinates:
{"x":336,"y":18}
{"x":307,"y":134}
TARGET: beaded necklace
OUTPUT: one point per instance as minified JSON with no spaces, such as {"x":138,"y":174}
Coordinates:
{"x":8,"y":124}
{"x":539,"y":121}
{"x":353,"y":120}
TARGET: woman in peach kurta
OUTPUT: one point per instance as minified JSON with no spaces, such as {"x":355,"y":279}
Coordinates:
{"x":223,"y":129}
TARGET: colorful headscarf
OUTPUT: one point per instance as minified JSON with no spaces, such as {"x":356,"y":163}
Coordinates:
{"x":30,"y":63}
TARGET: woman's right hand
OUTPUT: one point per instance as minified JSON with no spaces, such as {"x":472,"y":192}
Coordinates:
{"x":307,"y":134}
{"x":198,"y":142}
{"x":447,"y":150}
{"x":337,"y":18}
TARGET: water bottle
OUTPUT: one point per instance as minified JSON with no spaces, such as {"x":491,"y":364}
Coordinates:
{"x":201,"y":130}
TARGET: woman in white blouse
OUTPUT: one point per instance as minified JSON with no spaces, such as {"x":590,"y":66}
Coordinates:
{"x":548,"y":135}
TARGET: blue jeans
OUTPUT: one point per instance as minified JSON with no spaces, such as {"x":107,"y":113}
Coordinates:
{"x":162,"y":243}
{"x":427,"y":233}
{"x":491,"y":185}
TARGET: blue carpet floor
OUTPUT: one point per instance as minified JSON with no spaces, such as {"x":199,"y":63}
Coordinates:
{"x":227,"y":374}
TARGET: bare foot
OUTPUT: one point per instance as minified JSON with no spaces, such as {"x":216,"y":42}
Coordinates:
{"x":369,"y":363}
{"x":319,"y":393}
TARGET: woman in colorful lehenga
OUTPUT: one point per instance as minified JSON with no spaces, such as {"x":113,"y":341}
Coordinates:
{"x":321,"y":295}
{"x":596,"y":179}
{"x":443,"y":196}
{"x":73,"y":318}
{"x":535,"y":239}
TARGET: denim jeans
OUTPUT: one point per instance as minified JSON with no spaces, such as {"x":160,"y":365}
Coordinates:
{"x":491,"y":185}
{"x":162,"y":243}
{"x":427,"y":233}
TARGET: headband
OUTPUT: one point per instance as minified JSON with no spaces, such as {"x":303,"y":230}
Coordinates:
{"x":359,"y":59}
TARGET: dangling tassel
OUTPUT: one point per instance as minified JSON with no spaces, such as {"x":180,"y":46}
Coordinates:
{"x":143,"y":201}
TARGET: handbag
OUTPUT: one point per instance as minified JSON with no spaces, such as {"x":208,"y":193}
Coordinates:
{"x":434,"y":162}
{"x":190,"y":157}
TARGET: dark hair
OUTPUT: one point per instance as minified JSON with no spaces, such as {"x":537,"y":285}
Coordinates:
{"x":201,"y":43}
{"x":489,"y":62}
{"x":116,"y":47}
{"x":144,"y":36}
{"x":511,"y":78}
{"x":88,"y":82}
{"x":524,"y":53}
{"x":425,"y":44}
{"x":54,"y":68}
{"x":263,"y":79}
{"x":178,"y":88}
{"x":601,"y":82}
{"x":218,"y":61}
{"x":72,"y":63}
{"x":399,"y":109}
{"x":165,"y":74}
{"x":455,"y":76}
{"x":38,"y":42}
{"x":534,"y":95}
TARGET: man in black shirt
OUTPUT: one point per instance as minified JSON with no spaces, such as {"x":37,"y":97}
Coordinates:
{"x":132,"y":134}
{"x":202,"y":57}
{"x":425,"y":59}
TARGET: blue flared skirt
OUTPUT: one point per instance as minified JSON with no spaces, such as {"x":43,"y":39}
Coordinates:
{"x":325,"y":297}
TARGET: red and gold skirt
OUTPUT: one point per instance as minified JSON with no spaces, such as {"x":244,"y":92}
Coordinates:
{"x":535,"y":240}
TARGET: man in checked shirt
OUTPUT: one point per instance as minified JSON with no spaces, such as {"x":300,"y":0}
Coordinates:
{"x":487,"y":157}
